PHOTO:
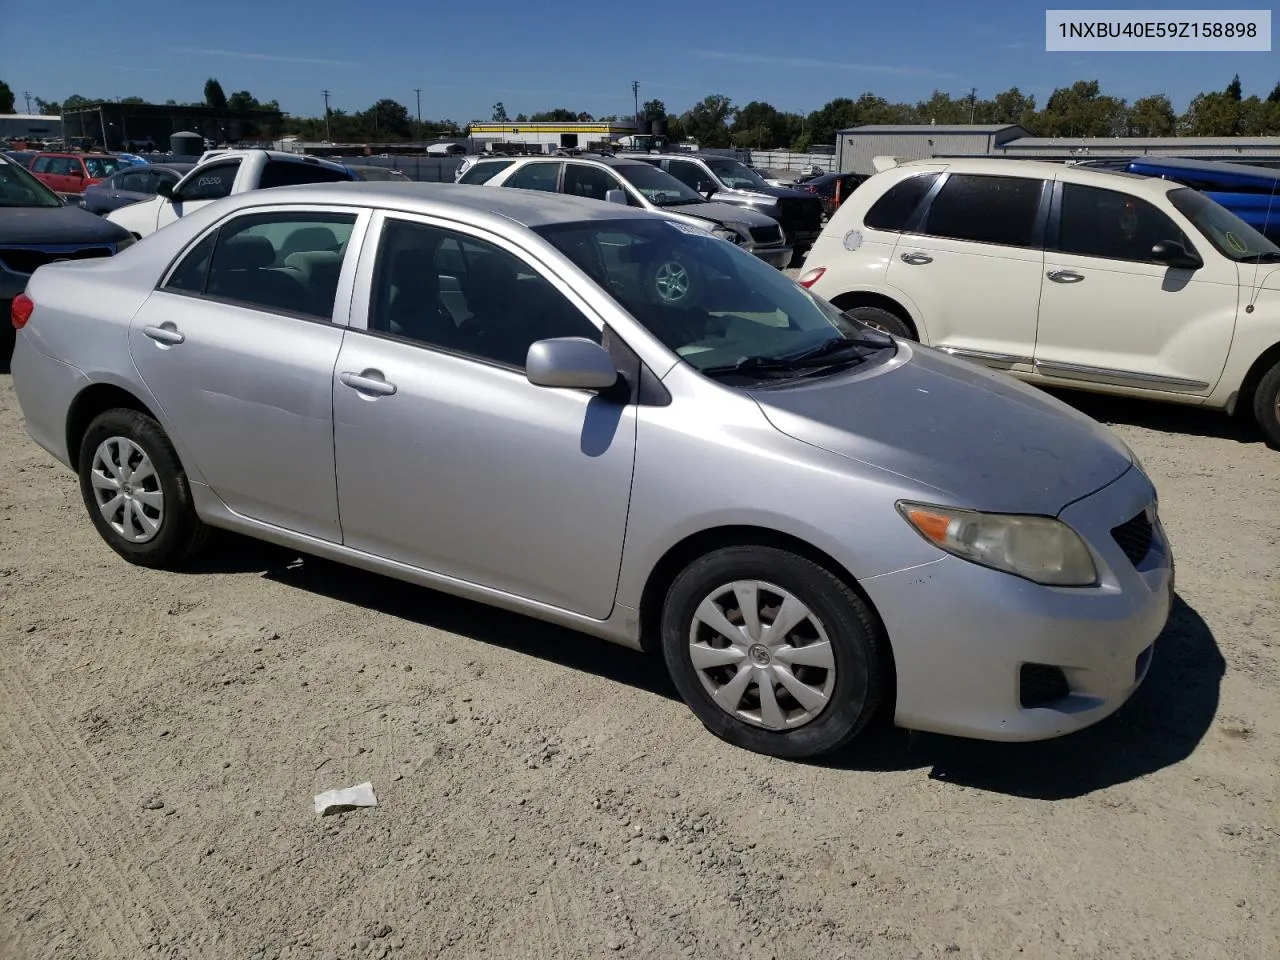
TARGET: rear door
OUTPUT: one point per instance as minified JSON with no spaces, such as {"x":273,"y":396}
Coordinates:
{"x":1109,"y":313}
{"x":972,"y":265}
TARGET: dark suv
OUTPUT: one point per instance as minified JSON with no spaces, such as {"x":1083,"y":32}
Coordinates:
{"x":728,"y":180}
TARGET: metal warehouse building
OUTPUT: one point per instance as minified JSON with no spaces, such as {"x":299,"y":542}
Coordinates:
{"x":29,"y":126}
{"x":858,"y":146}
{"x":548,"y":137}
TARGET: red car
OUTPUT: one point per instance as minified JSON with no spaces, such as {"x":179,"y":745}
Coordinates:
{"x":70,"y":173}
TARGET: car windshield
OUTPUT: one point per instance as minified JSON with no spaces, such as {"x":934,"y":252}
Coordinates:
{"x":103,"y":166}
{"x":20,"y":189}
{"x":735,"y":174}
{"x":719,"y":308}
{"x":657,"y":186}
{"x":1230,"y":235}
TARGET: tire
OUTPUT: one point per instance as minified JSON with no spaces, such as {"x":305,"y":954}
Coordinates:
{"x":1266,"y":405}
{"x":854,"y":687}
{"x":672,"y":282}
{"x":128,"y":435}
{"x":882,"y":319}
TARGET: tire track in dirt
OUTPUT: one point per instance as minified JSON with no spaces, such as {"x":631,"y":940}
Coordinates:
{"x":89,"y":822}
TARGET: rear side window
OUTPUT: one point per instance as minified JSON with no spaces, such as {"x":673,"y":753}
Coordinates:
{"x":535,"y":176}
{"x":288,"y":173}
{"x":41,"y":165}
{"x":1111,"y":224}
{"x":984,"y":209}
{"x":193,"y":271}
{"x":893,"y":210}
{"x":687,"y":172}
{"x":212,"y":183}
{"x":484,"y":172}
{"x":582,"y":180}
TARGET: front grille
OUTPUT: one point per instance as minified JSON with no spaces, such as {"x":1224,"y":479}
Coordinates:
{"x":1134,"y":537}
{"x":766,"y":234}
{"x":803,"y":214}
{"x":1040,"y":684}
{"x":28,"y":259}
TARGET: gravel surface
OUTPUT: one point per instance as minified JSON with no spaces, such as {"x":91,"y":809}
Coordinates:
{"x":542,"y":794}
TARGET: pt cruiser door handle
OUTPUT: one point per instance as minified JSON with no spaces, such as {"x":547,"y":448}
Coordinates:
{"x":368,"y":384}
{"x":916,"y":259}
{"x":1065,"y":276}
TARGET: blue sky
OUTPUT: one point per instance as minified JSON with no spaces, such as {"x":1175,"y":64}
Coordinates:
{"x":581,"y":54}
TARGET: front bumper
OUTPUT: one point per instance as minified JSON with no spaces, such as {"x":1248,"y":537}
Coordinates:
{"x":961,"y":634}
{"x":775,"y":255}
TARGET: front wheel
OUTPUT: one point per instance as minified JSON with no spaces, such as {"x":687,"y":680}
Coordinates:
{"x":772,"y":652}
{"x":136,"y":491}
{"x":882,"y":320}
{"x":1266,"y":405}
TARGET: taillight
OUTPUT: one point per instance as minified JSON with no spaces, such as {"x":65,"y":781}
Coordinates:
{"x":810,"y":277}
{"x":20,"y":312}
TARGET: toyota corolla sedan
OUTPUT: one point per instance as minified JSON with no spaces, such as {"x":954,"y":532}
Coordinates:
{"x":598,"y":417}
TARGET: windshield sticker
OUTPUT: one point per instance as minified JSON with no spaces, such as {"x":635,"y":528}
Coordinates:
{"x":1236,"y":244}
{"x":853,"y":240}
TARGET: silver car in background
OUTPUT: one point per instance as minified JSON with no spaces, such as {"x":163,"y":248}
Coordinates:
{"x":592,"y":415}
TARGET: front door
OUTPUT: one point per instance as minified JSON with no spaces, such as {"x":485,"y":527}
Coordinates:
{"x":448,"y":458}
{"x":1110,"y":313}
{"x":199,"y":189}
{"x":238,"y":346}
{"x":973,"y":264}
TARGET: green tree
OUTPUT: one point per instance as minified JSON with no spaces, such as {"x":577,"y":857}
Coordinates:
{"x":6,"y":98}
{"x":1011,"y":106}
{"x":499,"y":113}
{"x":1274,"y":95}
{"x":76,"y":101}
{"x":559,"y":115}
{"x":134,"y":100}
{"x":760,"y":125}
{"x":941,"y":108}
{"x":1234,"y":90}
{"x":213,"y":95}
{"x":708,"y":120}
{"x":835,"y":115}
{"x":1081,"y":110}
{"x":1212,"y":115}
{"x":653,"y":110}
{"x":1259,"y":118}
{"x":1152,"y":116}
{"x":521,"y":118}
{"x":386,"y":120}
{"x":242,"y":100}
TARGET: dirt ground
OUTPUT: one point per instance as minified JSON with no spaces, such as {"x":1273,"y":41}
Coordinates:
{"x":542,"y":794}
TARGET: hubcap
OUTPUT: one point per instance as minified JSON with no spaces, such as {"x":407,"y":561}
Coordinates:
{"x":762,"y":655}
{"x":671,"y":281}
{"x":127,"y":489}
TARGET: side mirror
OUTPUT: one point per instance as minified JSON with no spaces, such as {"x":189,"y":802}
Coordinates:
{"x":572,"y":363}
{"x":707,"y":188}
{"x":1173,"y":254}
{"x":616,"y":196}
{"x":165,"y":189}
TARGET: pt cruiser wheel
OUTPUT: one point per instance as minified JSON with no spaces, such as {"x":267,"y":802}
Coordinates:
{"x":136,"y":491}
{"x":772,"y":652}
{"x":1266,"y":405}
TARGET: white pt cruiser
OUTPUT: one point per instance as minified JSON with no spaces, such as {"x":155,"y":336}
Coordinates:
{"x":1064,"y":276}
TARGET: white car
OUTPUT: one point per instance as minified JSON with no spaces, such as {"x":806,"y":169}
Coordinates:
{"x":1064,"y":276}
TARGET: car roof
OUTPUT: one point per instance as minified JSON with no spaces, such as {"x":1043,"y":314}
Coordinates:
{"x":1232,"y":171}
{"x":600,"y":158}
{"x":531,"y":208}
{"x":1048,"y":170}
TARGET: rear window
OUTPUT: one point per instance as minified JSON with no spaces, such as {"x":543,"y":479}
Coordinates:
{"x":893,"y":211}
{"x":287,"y":173}
{"x":484,"y":172}
{"x":986,"y":209}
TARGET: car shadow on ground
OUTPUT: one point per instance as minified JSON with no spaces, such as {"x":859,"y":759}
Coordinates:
{"x":1164,"y":417}
{"x":1160,"y":726}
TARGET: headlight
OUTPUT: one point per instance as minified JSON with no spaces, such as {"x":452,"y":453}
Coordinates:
{"x":727,"y":233}
{"x":1041,"y":549}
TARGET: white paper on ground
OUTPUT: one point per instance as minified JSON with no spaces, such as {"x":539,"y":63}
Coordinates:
{"x":361,"y":795}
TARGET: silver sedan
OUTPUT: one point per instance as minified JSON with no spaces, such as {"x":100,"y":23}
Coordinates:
{"x":594,"y":416}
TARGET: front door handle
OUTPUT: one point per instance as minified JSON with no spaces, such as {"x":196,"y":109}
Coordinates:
{"x":166,"y":333}
{"x":1065,"y":276}
{"x":365,"y":383}
{"x":916,"y":259}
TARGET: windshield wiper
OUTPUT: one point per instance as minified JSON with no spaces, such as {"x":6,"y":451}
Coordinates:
{"x":829,"y":353}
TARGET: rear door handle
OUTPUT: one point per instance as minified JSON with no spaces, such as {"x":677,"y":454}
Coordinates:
{"x":370,"y":381}
{"x":1065,"y":276}
{"x":916,"y":259}
{"x":165,"y":333}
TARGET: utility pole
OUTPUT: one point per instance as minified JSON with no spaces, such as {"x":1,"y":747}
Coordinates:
{"x":27,"y":94}
{"x":635,"y":92}
{"x":418,"y":92}
{"x":973,"y":102}
{"x":327,"y":136}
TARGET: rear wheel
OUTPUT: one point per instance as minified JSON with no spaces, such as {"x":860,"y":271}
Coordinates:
{"x":882,"y":320}
{"x":1266,"y":405}
{"x":136,"y":491}
{"x":772,"y":652}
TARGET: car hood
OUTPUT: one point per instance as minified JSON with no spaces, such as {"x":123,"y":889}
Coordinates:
{"x":726,"y":213}
{"x":770,"y":193}
{"x":982,"y":437}
{"x":56,"y":225}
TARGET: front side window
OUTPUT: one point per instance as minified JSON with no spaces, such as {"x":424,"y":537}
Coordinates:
{"x":288,"y":173}
{"x":1111,"y":224}
{"x":133,"y":181}
{"x":893,"y":211}
{"x":484,"y":172}
{"x":986,"y":209}
{"x":18,"y":188}
{"x":458,"y":293}
{"x":535,"y":176}
{"x":735,"y":174}
{"x":584,"y":180}
{"x":64,"y":166}
{"x":212,"y":183}
{"x":41,"y":164}
{"x":659,"y":187}
{"x":1229,"y":235}
{"x":278,"y":262}
{"x":687,"y":172}
{"x":716,"y":306}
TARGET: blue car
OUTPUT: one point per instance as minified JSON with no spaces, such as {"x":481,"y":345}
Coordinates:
{"x":1251,"y":193}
